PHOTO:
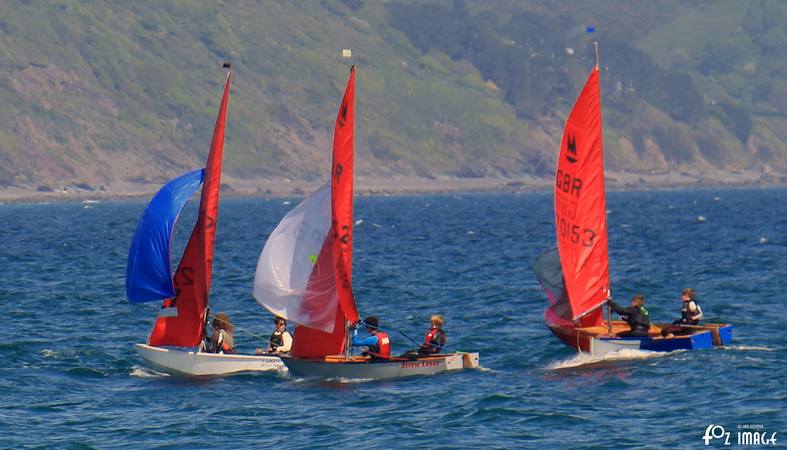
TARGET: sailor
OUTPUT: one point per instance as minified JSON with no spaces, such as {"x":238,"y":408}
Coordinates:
{"x":636,"y":316}
{"x":434,"y":341}
{"x":221,"y":339}
{"x":690,"y":314}
{"x":378,"y":344}
{"x":280,"y":341}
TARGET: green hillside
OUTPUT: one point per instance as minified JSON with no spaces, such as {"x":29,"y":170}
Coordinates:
{"x":113,"y":91}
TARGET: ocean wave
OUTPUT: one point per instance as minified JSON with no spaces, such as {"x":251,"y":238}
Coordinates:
{"x":144,"y":372}
{"x":585,"y":359}
{"x":749,"y":347}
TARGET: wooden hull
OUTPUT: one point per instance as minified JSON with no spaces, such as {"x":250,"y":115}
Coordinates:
{"x":337,"y":367}
{"x":598,"y":341}
{"x":205,"y":364}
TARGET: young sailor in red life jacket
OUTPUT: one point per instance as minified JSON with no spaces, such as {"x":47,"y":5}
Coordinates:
{"x":378,"y":344}
{"x":435,"y":337}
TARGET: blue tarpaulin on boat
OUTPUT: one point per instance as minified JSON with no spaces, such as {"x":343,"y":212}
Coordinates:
{"x":149,"y":274}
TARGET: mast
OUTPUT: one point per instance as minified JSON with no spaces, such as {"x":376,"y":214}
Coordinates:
{"x":180,"y":322}
{"x":347,"y":53}
{"x":609,"y":292}
{"x":333,"y":267}
{"x":580,"y":206}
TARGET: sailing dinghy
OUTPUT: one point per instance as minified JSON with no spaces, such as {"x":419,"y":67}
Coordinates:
{"x":304,"y":274}
{"x":575,"y":276}
{"x":184,"y":312}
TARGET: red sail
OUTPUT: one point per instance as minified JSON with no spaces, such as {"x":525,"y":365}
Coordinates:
{"x":339,"y":245}
{"x":342,"y":199}
{"x":192,"y":279}
{"x":580,"y":207}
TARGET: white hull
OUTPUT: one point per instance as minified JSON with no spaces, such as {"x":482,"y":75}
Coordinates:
{"x":601,"y":347}
{"x":359,"y":368}
{"x":201,"y":364}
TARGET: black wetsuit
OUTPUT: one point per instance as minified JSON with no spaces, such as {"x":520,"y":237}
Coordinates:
{"x":637,"y":318}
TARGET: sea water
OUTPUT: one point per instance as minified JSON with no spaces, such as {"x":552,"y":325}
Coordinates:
{"x":70,"y":377}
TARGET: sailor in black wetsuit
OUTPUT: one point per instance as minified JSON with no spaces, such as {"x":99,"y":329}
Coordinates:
{"x":636,"y":316}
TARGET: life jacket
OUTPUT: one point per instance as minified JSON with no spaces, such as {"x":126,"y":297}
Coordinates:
{"x":276,"y":340}
{"x":226,"y":342}
{"x":383,"y":347}
{"x":686,"y":314}
{"x":433,"y":341}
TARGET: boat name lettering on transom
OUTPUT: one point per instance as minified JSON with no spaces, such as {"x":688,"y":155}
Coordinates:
{"x":568,"y":183}
{"x":413,"y":364}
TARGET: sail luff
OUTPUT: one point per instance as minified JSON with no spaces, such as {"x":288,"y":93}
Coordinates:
{"x":309,"y":342}
{"x":181,"y":322}
{"x":580,"y":206}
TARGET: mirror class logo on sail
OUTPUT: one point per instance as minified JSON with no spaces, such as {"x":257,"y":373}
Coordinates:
{"x":571,"y":149}
{"x":746,"y":435}
{"x":565,"y":181}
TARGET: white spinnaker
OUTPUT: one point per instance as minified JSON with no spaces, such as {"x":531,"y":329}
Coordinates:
{"x":288,"y":259}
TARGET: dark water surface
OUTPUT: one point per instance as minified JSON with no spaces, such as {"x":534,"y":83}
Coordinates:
{"x":70,"y":377}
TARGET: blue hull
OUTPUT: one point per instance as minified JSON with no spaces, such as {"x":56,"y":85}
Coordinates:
{"x":725,"y":334}
{"x":693,"y":342}
{"x":701,"y":340}
{"x":597,"y":341}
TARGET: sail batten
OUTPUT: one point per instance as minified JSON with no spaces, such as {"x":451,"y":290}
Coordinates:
{"x":580,"y":207}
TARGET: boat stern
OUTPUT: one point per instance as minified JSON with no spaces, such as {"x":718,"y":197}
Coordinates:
{"x":725,"y":334}
{"x":694,"y":341}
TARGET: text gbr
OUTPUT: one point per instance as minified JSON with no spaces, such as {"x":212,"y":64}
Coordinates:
{"x":567,"y":183}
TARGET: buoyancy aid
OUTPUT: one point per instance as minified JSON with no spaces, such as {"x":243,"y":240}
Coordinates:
{"x":642,"y":320}
{"x":226,"y":342}
{"x":433,"y":341}
{"x":689,"y":318}
{"x":383,"y":347}
{"x":276,"y":340}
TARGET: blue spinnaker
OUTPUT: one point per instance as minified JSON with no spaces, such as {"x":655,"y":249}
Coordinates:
{"x":149,"y":274}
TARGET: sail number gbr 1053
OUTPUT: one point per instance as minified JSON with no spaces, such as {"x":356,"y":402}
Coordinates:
{"x":574,"y":232}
